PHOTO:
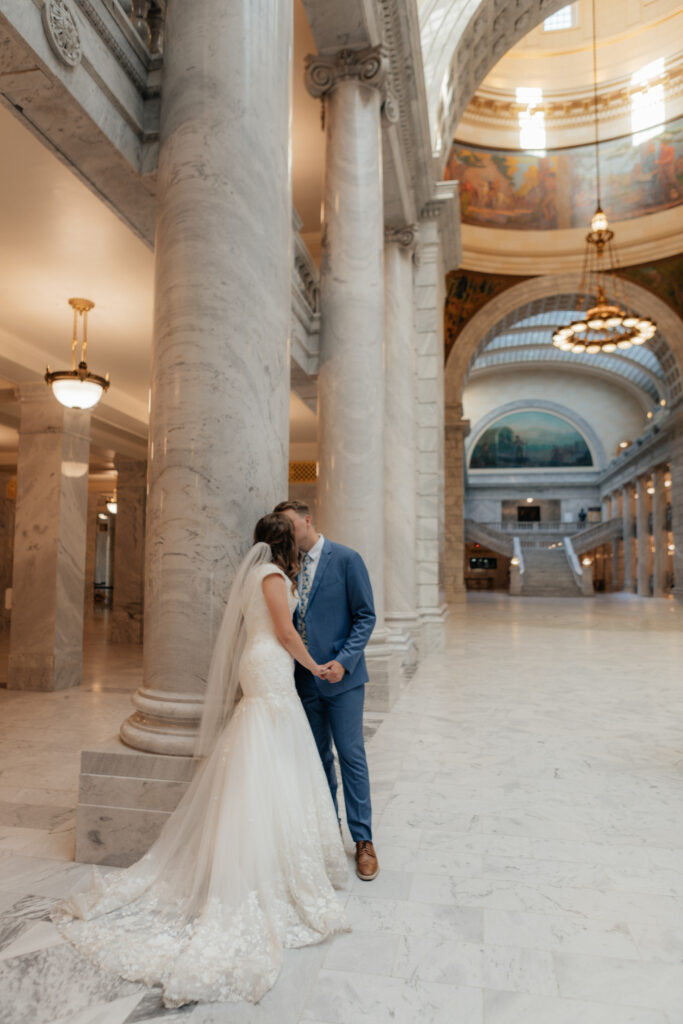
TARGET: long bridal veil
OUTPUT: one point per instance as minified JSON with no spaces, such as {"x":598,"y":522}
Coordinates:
{"x":222,"y":687}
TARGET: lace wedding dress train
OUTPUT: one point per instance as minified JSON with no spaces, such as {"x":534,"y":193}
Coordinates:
{"x":246,"y":864}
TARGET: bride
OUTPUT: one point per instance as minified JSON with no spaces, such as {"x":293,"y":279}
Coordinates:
{"x":246,"y":864}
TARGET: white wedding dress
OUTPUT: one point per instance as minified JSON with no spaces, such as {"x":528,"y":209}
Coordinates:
{"x":246,"y":864}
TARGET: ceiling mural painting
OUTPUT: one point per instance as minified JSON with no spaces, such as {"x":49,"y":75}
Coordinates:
{"x":468,"y":291}
{"x":542,"y":191}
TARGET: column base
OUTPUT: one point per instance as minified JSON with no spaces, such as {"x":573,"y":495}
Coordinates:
{"x":433,"y":629}
{"x":164,"y":723}
{"x":384,"y":671}
{"x":45,"y":672}
{"x":125,"y":798}
{"x":405,"y":634}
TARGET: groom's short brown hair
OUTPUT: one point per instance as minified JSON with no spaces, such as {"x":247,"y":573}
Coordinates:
{"x":300,"y":507}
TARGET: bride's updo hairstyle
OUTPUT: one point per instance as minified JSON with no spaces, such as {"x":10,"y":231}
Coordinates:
{"x":276,"y":530}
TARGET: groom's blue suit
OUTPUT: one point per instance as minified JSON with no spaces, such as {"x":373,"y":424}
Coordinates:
{"x":339,"y":617}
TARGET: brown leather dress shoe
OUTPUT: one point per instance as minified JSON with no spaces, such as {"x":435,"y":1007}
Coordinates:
{"x":367,"y":866}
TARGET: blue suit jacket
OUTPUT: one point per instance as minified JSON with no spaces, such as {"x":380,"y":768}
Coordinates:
{"x":340,"y":617}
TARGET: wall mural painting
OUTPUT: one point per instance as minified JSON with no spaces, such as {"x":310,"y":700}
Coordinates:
{"x":524,"y":190}
{"x":530,"y":440}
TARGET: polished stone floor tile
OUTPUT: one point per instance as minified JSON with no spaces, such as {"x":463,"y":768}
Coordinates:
{"x":527,"y":820}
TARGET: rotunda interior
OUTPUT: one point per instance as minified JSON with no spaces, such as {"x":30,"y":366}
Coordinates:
{"x":329,"y":245}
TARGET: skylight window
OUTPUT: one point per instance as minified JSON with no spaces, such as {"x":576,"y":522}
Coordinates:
{"x":564,"y":18}
{"x":531,"y":120}
{"x":647,"y":103}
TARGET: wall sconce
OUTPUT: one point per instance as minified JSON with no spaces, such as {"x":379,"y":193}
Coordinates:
{"x":624,"y":444}
{"x":77,"y":388}
{"x":667,"y":483}
{"x":102,"y":516}
{"x":514,"y":561}
{"x":112,"y":505}
{"x":586,"y":561}
{"x":529,"y":501}
{"x":671,"y":548}
{"x":650,"y":489}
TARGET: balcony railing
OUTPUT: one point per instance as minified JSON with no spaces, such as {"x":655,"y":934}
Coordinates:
{"x":147,"y":17}
{"x":550,"y":526}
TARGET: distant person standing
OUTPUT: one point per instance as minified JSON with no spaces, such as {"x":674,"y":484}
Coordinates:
{"x":583,"y":516}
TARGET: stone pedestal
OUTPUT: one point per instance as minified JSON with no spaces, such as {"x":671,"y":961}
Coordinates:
{"x":400,"y":479}
{"x":659,"y":534}
{"x":218,"y":435}
{"x":643,"y":545}
{"x":351,"y":376}
{"x":457,"y":430}
{"x":46,"y":634}
{"x":627,"y":502}
{"x":129,"y":551}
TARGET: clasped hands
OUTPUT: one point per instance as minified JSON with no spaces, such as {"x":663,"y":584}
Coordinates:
{"x":331,"y":672}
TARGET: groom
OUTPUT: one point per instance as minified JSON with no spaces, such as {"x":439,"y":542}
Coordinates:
{"x":335,"y":618}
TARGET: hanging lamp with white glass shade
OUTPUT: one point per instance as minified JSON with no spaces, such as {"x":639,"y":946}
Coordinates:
{"x":78,"y":388}
{"x":606,"y":324}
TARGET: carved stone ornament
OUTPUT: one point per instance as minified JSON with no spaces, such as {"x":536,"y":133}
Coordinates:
{"x":62,"y":31}
{"x":390,"y":108}
{"x":324,"y":71}
{"x":405,"y":237}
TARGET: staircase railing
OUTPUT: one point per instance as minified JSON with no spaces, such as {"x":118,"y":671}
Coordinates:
{"x":583,"y":580}
{"x":518,"y":554}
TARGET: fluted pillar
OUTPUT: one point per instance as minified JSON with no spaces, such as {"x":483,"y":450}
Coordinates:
{"x":129,"y":551}
{"x":220,"y":385}
{"x":46,"y":633}
{"x":659,"y":533}
{"x":642,"y":531}
{"x":351,"y":375}
{"x":400,"y":581}
{"x":457,"y":430}
{"x":627,"y":501}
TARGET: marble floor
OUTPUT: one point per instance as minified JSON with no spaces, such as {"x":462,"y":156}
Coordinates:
{"x":528,"y":794}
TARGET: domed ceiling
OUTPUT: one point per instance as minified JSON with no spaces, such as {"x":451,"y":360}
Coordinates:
{"x":524,"y":150}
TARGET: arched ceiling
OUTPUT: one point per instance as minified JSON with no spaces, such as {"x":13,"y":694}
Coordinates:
{"x":522,"y":338}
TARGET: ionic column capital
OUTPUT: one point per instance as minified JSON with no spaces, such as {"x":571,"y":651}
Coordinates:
{"x":325,"y":71}
{"x":406,"y":237}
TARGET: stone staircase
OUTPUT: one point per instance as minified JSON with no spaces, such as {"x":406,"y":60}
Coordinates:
{"x":547,"y":573}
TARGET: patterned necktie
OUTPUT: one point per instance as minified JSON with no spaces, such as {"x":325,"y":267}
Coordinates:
{"x":304,"y":592}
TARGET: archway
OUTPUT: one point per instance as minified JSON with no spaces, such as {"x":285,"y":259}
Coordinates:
{"x":667,"y":344}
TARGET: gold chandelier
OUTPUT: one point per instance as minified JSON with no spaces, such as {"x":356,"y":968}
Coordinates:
{"x":606,"y":324}
{"x":78,"y":388}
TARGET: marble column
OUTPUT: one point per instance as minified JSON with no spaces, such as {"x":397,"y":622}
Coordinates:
{"x":351,"y":375}
{"x":90,"y":548}
{"x":129,"y":551}
{"x":616,"y":552}
{"x":46,"y":633}
{"x":429,"y":368}
{"x":218,"y":434}
{"x":643,"y":535}
{"x":219,"y":403}
{"x":676,"y":496}
{"x":400,"y":581}
{"x":659,"y":533}
{"x":457,"y":430}
{"x":627,"y":501}
{"x":7,"y":503}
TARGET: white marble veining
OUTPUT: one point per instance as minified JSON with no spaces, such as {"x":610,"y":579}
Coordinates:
{"x":528,"y":794}
{"x":220,"y":361}
{"x":350,"y":380}
{"x":46,"y":632}
{"x":400,"y":540}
